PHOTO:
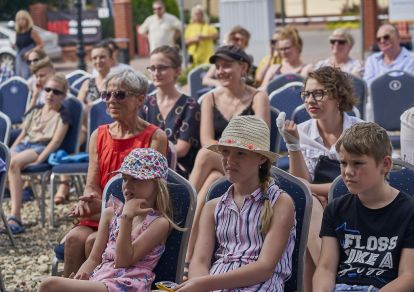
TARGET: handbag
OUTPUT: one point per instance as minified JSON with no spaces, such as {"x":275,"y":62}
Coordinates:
{"x":326,"y":170}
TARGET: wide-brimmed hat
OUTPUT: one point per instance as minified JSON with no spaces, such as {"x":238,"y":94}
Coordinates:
{"x":144,"y":164}
{"x":231,"y":53}
{"x":248,"y":133}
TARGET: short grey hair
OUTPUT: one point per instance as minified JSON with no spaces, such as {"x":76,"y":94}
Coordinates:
{"x":130,"y":79}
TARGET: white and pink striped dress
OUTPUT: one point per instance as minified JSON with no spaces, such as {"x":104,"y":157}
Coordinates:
{"x":240,"y":240}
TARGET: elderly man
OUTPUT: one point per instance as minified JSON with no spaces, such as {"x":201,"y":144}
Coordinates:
{"x":162,"y":28}
{"x":391,"y":57}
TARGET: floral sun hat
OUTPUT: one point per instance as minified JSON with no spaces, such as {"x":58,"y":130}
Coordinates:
{"x":248,"y":133}
{"x":144,"y":164}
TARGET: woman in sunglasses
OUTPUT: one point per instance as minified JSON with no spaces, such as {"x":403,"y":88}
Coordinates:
{"x":341,"y":45}
{"x":43,"y":130}
{"x":124,"y":94}
{"x":272,"y":59}
{"x":174,"y":112}
{"x":327,"y":95}
{"x":289,"y":46}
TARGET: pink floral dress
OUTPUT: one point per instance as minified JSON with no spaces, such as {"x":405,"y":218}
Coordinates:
{"x":139,"y":276}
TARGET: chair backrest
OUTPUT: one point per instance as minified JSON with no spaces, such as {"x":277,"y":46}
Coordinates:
{"x":75,"y":75}
{"x":14,"y":97}
{"x":287,"y":98}
{"x":195,"y":79}
{"x":392,"y":94}
{"x":400,"y":177}
{"x":281,"y":81}
{"x":302,"y":198}
{"x":5,"y":125}
{"x":300,"y":114}
{"x":77,"y":84}
{"x":98,"y":116}
{"x":172,"y":155}
{"x":5,"y":156}
{"x":71,"y":141}
{"x":361,"y":93}
{"x":274,"y":132}
{"x":183,"y":197}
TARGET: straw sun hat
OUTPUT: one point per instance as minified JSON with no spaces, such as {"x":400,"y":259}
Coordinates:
{"x":249,"y":133}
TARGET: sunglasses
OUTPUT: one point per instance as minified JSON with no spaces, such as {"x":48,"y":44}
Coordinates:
{"x":118,"y":95}
{"x":385,"y":38}
{"x":273,"y":42}
{"x":54,"y":91}
{"x":29,"y":62}
{"x":339,"y":42}
{"x":159,"y":68}
{"x":317,"y":94}
{"x":157,"y":8}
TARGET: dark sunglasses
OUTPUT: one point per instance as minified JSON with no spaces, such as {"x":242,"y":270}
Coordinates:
{"x":339,"y":42}
{"x":118,"y":95}
{"x":157,"y":8}
{"x":273,"y":42}
{"x":54,"y":91}
{"x":29,"y":62}
{"x":384,"y":37}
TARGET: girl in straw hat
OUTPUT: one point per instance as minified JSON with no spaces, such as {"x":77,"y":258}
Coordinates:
{"x":255,"y":253}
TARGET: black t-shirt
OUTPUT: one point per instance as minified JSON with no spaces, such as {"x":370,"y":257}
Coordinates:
{"x":370,"y":240}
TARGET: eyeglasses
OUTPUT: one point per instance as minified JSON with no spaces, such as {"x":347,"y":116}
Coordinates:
{"x":284,"y":49}
{"x":118,"y":95}
{"x":273,"y":42}
{"x":339,"y":42}
{"x":317,"y":94}
{"x":157,"y":8}
{"x":159,"y":68}
{"x":29,"y":62}
{"x":54,"y":91}
{"x":385,"y":38}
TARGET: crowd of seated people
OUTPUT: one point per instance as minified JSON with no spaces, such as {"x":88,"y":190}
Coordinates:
{"x":213,"y":138}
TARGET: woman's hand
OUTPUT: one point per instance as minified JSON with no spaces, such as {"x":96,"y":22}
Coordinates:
{"x":87,"y":206}
{"x":79,"y":276}
{"x":289,"y":132}
{"x":195,"y":284}
{"x":135,"y":207}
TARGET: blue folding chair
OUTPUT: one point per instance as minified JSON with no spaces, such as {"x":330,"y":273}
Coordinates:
{"x":195,"y":79}
{"x":77,"y":84}
{"x":392,"y":94}
{"x":300,"y":114}
{"x":14,"y":97}
{"x":5,"y":125}
{"x":69,"y":144}
{"x":302,"y":198}
{"x":400,"y":177}
{"x":75,"y":75}
{"x":274,"y":132}
{"x":5,"y":156}
{"x":361,"y":93}
{"x":281,"y":81}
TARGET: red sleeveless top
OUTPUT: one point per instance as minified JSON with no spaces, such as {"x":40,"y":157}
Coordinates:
{"x":111,"y":152}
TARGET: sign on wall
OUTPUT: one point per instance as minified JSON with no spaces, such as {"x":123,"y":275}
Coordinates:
{"x":401,"y":10}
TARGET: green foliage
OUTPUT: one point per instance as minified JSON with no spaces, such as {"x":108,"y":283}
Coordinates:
{"x":341,"y":24}
{"x":107,"y":27}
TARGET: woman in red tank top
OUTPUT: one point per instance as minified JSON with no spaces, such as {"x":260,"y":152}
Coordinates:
{"x":124,"y":96}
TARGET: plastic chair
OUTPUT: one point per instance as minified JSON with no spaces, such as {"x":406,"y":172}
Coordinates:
{"x":361,"y":93}
{"x":400,"y":177}
{"x":5,"y":156}
{"x":281,"y":81}
{"x":75,"y":75}
{"x":2,"y":287}
{"x":301,"y":115}
{"x":77,"y":84}
{"x":302,"y":198}
{"x":70,"y":144}
{"x":392,"y":94}
{"x":195,"y":79}
{"x":172,"y":156}
{"x":14,"y":98}
{"x":274,"y":132}
{"x":5,"y":125}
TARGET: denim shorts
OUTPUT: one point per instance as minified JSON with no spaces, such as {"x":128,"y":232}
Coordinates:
{"x":37,"y":147}
{"x":354,"y":288}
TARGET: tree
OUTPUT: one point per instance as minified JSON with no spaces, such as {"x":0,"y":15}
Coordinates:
{"x":8,"y":9}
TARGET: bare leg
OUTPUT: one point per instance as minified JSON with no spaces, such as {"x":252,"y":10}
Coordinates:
{"x":59,"y":284}
{"x":89,"y":243}
{"x":75,"y":249}
{"x":63,"y":189}
{"x":17,"y":163}
{"x":206,"y":161}
{"x":201,"y":199}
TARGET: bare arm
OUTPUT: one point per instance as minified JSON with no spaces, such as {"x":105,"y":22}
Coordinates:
{"x":159,"y":141}
{"x":182,"y":147}
{"x":83,"y":91}
{"x":19,"y":138}
{"x":54,"y":143}
{"x":209,"y":79}
{"x":261,"y":107}
{"x":325,"y":274}
{"x":207,"y":122}
{"x":269,"y":76}
{"x":405,"y":279}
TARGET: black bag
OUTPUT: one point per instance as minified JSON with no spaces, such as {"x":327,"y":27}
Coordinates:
{"x":326,"y":170}
{"x":190,"y":59}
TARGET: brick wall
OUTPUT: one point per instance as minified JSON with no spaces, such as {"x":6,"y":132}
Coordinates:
{"x":123,"y":23}
{"x":39,"y":15}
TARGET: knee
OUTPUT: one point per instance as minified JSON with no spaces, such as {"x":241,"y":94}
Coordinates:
{"x":49,"y":284}
{"x":204,"y":156}
{"x":14,"y":165}
{"x":74,"y":240}
{"x":89,"y":243}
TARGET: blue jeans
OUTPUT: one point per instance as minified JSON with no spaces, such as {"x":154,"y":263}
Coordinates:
{"x":37,"y":147}
{"x":354,"y":288}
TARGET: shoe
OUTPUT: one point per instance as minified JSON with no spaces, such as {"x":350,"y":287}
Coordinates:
{"x":17,"y":228}
{"x":27,"y":195}
{"x":60,"y":251}
{"x":63,"y":193}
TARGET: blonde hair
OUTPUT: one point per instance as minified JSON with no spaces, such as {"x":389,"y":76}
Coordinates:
{"x":196,"y":9}
{"x":267,"y":211}
{"x":163,"y":202}
{"x":292,"y":34}
{"x":42,"y":63}
{"x":61,"y":80}
{"x":24,"y":14}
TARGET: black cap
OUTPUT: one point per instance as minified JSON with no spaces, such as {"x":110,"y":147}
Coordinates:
{"x":231,"y":53}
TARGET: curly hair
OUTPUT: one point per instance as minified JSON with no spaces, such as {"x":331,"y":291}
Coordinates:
{"x":338,"y":84}
{"x":292,"y":34}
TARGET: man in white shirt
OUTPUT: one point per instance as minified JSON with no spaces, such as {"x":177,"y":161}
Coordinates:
{"x":162,"y":28}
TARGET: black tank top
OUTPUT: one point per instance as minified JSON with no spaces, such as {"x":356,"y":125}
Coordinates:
{"x":24,"y":39}
{"x":220,"y":122}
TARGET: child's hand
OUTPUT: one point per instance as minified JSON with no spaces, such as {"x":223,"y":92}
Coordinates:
{"x":135,"y":207}
{"x":79,"y":276}
{"x":289,"y":132}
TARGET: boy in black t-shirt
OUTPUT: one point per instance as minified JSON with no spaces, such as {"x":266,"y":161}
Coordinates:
{"x":368,"y":235}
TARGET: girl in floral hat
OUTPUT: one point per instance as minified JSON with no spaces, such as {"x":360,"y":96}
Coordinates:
{"x":131,"y":237}
{"x":252,"y":223}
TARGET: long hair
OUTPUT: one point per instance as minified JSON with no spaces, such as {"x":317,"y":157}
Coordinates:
{"x":163,"y":202}
{"x":267,"y":212}
{"x":29,"y":19}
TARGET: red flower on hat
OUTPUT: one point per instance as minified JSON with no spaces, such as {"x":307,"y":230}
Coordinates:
{"x":229,"y":141}
{"x":250,"y":146}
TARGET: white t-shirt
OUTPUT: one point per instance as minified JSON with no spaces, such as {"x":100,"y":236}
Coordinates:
{"x":161,"y":31}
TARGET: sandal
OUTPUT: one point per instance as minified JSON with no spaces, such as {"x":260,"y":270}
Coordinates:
{"x":185,"y":272}
{"x":62,"y":195}
{"x":17,"y":228}
{"x":27,"y":194}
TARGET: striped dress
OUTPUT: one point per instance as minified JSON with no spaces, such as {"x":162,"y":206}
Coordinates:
{"x":240,"y":240}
